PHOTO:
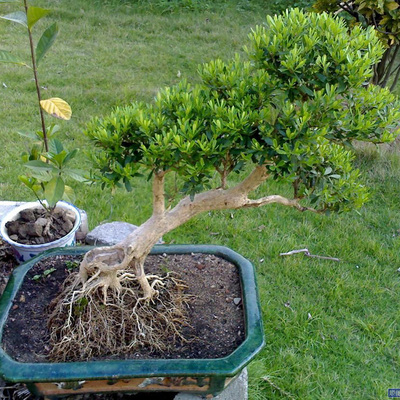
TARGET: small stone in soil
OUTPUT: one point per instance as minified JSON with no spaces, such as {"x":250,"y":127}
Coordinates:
{"x":67,"y":225}
{"x":41,"y":221}
{"x":27,"y":215}
{"x":34,"y":229}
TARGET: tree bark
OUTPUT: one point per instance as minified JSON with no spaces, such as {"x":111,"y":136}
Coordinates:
{"x":132,"y":251}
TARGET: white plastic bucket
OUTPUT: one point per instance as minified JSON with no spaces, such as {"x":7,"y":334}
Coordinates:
{"x":24,"y":252}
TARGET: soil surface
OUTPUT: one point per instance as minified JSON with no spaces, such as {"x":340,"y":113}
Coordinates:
{"x":7,"y":264}
{"x":37,"y":226}
{"x":215,"y":312}
{"x":10,"y":391}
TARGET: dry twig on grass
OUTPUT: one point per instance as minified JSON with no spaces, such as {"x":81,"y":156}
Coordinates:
{"x":307,"y":253}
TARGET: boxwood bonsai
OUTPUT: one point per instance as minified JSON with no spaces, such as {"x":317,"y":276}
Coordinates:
{"x":288,"y":114}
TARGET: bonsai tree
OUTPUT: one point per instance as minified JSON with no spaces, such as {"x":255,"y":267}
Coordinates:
{"x":289,"y":115}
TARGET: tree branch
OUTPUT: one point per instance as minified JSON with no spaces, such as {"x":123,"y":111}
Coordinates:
{"x":252,"y":182}
{"x":396,"y":78}
{"x":139,"y":243}
{"x":347,"y":7}
{"x":234,"y":198}
{"x":388,"y":70}
{"x":280,"y":200}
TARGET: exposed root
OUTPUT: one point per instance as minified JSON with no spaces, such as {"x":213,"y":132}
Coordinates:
{"x":102,"y":319}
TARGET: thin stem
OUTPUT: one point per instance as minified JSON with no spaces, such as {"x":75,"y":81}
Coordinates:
{"x":346,"y":7}
{"x":34,"y":67}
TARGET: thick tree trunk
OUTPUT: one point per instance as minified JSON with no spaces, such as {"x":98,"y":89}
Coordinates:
{"x":132,"y":251}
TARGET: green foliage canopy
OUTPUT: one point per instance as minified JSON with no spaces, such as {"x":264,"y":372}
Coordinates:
{"x":384,"y":17}
{"x":295,"y":107}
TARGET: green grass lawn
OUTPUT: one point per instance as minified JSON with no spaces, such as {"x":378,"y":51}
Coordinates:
{"x":332,"y":328}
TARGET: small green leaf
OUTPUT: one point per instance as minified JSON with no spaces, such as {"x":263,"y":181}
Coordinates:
{"x":328,"y":171}
{"x":36,"y":277}
{"x":7,"y":57}
{"x":70,"y":155}
{"x":76,"y":174}
{"x":52,"y":130}
{"x":49,"y":271}
{"x":39,"y":165}
{"x":83,"y":302}
{"x":55,"y":146}
{"x":54,"y":191}
{"x":46,"y":41}
{"x":30,"y":183}
{"x":35,"y":14}
{"x":128,"y":185}
{"x":306,"y":90}
{"x":29,"y":135}
{"x":19,"y":17}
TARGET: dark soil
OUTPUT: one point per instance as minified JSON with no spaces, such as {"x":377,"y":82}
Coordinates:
{"x":215,"y":312}
{"x":225,"y":297}
{"x":38,"y":226}
{"x":7,"y":264}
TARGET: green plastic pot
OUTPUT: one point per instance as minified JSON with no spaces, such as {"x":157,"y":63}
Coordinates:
{"x":205,"y":376}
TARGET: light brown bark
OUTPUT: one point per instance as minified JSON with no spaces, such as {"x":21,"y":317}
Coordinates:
{"x":131,"y":252}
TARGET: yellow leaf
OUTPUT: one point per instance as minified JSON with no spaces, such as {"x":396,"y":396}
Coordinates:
{"x":361,"y":6}
{"x":57,"y":108}
{"x":385,"y":19}
{"x":391,"y":5}
{"x":69,"y":194}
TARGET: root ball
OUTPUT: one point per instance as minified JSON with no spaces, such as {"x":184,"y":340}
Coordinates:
{"x":83,"y":327}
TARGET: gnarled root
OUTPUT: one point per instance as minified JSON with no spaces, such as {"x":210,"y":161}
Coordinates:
{"x":101,"y":318}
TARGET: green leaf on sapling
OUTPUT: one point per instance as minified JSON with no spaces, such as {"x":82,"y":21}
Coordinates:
{"x":55,"y":146}
{"x":76,"y":174}
{"x":29,"y":135}
{"x":54,"y":191}
{"x":18,"y":16}
{"x":39,"y":164}
{"x":35,"y":14}
{"x":7,"y":57}
{"x":46,"y":41}
{"x":70,"y":155}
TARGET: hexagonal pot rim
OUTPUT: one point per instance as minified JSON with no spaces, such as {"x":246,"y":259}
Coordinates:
{"x":14,"y":371}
